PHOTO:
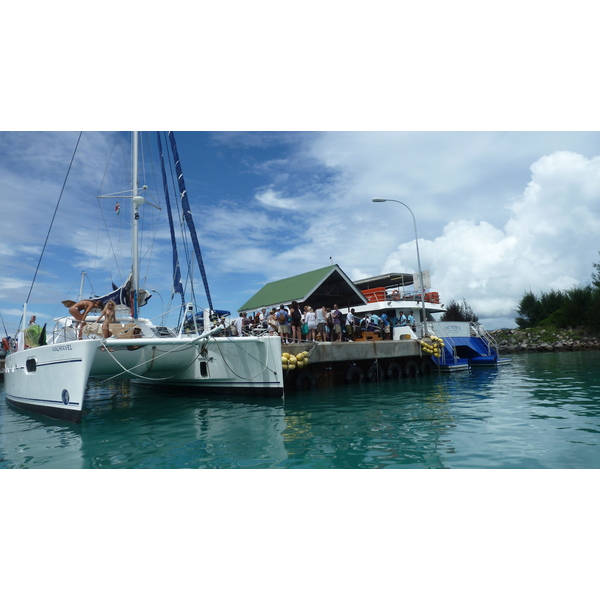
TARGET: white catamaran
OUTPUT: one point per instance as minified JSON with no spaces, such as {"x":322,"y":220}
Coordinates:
{"x":51,"y":378}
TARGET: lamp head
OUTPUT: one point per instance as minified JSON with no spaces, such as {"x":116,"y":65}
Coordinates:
{"x":379,"y":200}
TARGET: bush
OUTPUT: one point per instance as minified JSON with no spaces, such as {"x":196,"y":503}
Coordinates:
{"x":528,"y":310}
{"x":577,"y":307}
{"x":459,"y":311}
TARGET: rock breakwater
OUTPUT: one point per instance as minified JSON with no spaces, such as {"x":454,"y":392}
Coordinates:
{"x":545,"y":340}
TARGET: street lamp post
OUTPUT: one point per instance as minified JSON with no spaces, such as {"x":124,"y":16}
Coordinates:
{"x":418,"y":257}
{"x":162,"y":307}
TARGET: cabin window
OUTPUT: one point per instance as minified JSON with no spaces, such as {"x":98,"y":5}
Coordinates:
{"x":203,"y":369}
{"x":31,"y":365}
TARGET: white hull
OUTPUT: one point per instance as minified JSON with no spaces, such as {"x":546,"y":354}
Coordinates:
{"x":243,"y":364}
{"x":53,"y":379}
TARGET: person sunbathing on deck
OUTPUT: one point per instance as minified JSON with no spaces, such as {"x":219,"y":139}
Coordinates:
{"x":109,"y":317}
{"x":80,"y":310}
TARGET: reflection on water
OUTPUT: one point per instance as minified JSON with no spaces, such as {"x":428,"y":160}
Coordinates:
{"x":393,"y":424}
{"x":543,"y":411}
{"x":166,"y":429}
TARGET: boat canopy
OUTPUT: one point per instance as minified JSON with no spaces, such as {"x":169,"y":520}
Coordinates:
{"x":385,"y":281}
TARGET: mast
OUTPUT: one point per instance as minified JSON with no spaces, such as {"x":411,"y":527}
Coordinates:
{"x":187,"y":213}
{"x":137,"y":200}
{"x":81,"y":286}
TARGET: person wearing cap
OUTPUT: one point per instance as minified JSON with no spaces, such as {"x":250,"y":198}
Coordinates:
{"x":262,"y":318}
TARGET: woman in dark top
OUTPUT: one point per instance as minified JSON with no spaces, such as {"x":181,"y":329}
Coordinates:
{"x":296,"y":317}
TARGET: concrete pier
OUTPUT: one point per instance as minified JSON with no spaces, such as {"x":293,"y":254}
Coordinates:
{"x":343,"y":363}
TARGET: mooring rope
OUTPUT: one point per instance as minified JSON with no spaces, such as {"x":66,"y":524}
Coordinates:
{"x":126,"y":370}
{"x":265,"y":366}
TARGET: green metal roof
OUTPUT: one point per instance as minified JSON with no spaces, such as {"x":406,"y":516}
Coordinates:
{"x":328,"y":286}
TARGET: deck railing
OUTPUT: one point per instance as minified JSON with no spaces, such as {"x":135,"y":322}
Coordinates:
{"x":382,"y":294}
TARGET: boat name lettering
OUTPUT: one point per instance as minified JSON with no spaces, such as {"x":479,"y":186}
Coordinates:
{"x":61,"y":347}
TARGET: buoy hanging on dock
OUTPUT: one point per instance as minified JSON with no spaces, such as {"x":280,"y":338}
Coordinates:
{"x":291,"y":361}
{"x":435,"y":348}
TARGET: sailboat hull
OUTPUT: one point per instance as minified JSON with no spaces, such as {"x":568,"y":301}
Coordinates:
{"x":54,"y":411}
{"x":50,"y":379}
{"x":249,"y":365}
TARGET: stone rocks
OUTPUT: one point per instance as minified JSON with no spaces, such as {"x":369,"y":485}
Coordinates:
{"x":544,"y":340}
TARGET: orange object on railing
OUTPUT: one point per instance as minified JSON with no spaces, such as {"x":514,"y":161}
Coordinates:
{"x":432,"y":297}
{"x":375,"y":294}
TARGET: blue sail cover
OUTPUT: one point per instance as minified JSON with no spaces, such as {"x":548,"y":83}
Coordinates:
{"x":177,"y":284}
{"x":123,"y":295}
{"x":187,"y":213}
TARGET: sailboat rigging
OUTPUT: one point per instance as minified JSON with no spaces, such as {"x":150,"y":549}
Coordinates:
{"x":53,"y":378}
{"x":177,"y":283}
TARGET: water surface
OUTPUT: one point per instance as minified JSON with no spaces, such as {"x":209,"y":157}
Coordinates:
{"x":542,"y":412}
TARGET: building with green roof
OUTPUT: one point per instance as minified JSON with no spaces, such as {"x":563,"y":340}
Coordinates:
{"x":326,"y":286}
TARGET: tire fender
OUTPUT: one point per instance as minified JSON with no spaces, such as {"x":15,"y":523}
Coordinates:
{"x":355,"y":375}
{"x":411,"y":369}
{"x":394,"y":371}
{"x":375,"y":372}
{"x":305,"y":380}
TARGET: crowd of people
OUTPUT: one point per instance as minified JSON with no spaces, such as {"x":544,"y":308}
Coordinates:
{"x":323,"y":324}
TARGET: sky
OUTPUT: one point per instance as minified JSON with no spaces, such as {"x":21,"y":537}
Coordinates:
{"x":480,"y":116}
{"x":284,"y":143}
{"x":497,"y":213}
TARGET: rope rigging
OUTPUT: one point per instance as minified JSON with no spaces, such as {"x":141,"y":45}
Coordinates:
{"x":187,"y":213}
{"x":54,"y":216}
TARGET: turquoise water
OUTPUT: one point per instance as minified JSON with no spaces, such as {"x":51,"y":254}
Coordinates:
{"x":541,"y":412}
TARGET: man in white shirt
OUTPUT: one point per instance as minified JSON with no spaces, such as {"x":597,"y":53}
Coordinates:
{"x":350,"y":322}
{"x":321,"y":317}
{"x":239,"y":324}
{"x":262,"y":318}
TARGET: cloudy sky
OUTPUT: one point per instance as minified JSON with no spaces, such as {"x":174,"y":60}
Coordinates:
{"x":497,"y":213}
{"x":482,"y":121}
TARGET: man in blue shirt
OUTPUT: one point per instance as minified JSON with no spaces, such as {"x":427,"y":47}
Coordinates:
{"x":385,"y":327}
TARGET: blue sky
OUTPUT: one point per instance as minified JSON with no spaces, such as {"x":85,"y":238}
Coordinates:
{"x":393,"y":101}
{"x":497,"y":213}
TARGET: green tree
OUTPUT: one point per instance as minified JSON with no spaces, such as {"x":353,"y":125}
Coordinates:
{"x":459,"y":311}
{"x":528,"y":311}
{"x":596,"y":275}
{"x":550,"y":302}
{"x":577,"y":307}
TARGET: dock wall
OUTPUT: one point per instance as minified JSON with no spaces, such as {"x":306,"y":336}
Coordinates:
{"x":346,"y":363}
